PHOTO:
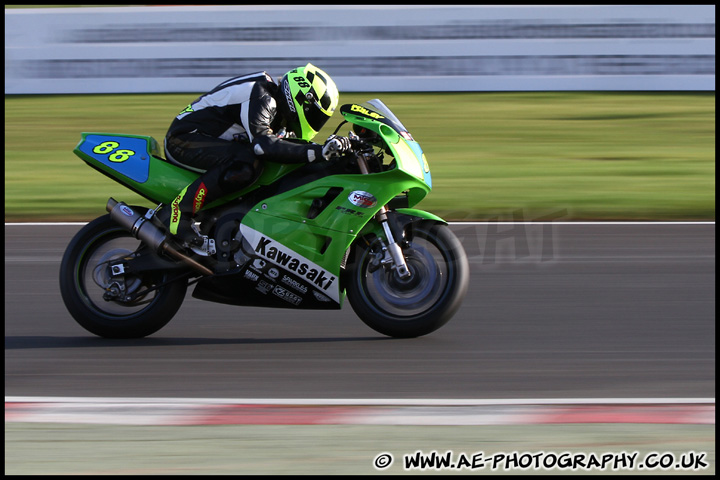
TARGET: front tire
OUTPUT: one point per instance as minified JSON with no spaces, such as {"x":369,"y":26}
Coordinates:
{"x":85,"y":280}
{"x":418,"y":306}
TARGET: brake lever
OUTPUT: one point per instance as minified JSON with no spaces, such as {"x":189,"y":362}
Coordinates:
{"x":358,"y":144}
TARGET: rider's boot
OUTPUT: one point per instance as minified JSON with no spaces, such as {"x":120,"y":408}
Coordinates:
{"x":178,"y":219}
{"x":210,"y":186}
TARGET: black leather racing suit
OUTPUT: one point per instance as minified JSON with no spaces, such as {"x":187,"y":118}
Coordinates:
{"x":226,"y":134}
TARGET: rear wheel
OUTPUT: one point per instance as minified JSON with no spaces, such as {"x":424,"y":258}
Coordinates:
{"x":420,"y":304}
{"x":115,"y":306}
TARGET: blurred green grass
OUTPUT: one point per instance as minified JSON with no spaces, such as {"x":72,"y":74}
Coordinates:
{"x":581,"y":155}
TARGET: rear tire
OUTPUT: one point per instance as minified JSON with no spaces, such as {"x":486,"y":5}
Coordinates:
{"x":85,"y":277}
{"x":422,"y":304}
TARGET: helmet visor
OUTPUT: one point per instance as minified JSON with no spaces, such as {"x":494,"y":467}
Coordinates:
{"x":315,"y":115}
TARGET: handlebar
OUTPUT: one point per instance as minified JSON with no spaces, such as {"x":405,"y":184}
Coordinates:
{"x":358,"y":144}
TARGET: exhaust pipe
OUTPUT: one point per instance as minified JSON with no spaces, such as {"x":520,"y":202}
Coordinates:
{"x":144,"y":230}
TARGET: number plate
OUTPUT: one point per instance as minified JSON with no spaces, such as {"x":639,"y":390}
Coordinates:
{"x":126,"y":155}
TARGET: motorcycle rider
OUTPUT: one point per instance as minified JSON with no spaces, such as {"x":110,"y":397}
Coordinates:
{"x":227,"y":133}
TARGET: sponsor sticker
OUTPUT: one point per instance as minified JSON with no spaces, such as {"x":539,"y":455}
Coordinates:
{"x":264,"y":287}
{"x":320,"y":296}
{"x":288,"y":96}
{"x":364,"y":111}
{"x":286,"y":295}
{"x":275,"y":252}
{"x":294,"y":284}
{"x":252,"y":276}
{"x":349,"y":211}
{"x":259,"y":264}
{"x":199,"y":199}
{"x":362,"y":199}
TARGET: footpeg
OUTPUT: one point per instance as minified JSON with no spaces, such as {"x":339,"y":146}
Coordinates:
{"x":207,"y":248}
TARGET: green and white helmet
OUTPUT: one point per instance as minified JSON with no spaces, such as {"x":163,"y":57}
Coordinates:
{"x":309,"y":97}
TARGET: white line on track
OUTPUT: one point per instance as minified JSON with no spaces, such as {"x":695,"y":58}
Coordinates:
{"x":365,"y":401}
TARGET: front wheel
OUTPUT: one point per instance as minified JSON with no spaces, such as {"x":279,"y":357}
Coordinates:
{"x":132,"y":305}
{"x":422,"y":303}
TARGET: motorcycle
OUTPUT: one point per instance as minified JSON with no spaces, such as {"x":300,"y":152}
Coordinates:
{"x":303,"y":236}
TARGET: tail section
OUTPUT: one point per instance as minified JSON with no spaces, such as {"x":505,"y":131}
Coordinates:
{"x":135,"y":162}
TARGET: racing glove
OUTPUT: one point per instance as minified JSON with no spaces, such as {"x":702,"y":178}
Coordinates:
{"x":335,"y":146}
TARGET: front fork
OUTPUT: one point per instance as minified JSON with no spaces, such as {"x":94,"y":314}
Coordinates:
{"x":392,"y":252}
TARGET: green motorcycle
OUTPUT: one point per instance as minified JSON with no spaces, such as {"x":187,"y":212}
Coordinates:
{"x":303,"y":236}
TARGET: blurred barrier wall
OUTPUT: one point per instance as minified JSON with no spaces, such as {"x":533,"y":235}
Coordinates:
{"x":364,"y":48}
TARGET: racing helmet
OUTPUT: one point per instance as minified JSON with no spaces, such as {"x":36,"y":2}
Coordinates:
{"x":308,"y":98}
